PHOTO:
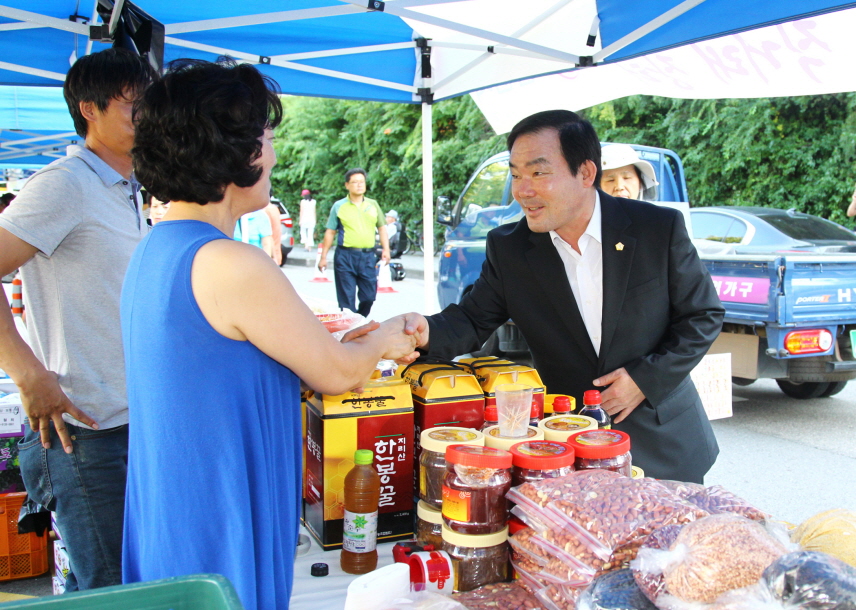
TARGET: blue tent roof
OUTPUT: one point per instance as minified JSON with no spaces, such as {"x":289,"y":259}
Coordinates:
{"x":35,"y":127}
{"x":340,"y":48}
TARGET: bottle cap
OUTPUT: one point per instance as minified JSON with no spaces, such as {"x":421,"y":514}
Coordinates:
{"x":591,"y":397}
{"x":599,"y":444}
{"x":363,"y":457}
{"x":562,"y":404}
{"x":320,"y":569}
{"x":479,"y":457}
{"x":542,"y":455}
{"x":491,"y":414}
{"x":535,"y":410}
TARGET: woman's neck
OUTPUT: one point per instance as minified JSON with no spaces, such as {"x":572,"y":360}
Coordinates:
{"x":219,"y":214}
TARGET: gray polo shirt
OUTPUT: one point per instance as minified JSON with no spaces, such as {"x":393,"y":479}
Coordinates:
{"x":84,"y":218}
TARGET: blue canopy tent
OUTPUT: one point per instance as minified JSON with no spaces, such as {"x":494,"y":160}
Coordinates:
{"x":35,"y":127}
{"x":410,"y":51}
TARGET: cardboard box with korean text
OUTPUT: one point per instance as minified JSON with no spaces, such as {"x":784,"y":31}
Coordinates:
{"x":379,"y":419}
{"x":444,"y":394}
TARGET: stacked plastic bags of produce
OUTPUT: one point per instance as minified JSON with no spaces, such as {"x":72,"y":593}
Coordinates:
{"x":587,"y":523}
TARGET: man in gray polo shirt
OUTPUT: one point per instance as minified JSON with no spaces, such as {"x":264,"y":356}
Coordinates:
{"x":72,"y":230}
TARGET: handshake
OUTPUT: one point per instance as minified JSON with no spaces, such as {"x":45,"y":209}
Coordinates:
{"x":400,"y":336}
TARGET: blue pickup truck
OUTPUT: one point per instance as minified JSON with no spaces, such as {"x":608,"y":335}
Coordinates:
{"x":789,"y":316}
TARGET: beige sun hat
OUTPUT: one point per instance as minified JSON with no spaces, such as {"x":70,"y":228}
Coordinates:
{"x":613,"y":156}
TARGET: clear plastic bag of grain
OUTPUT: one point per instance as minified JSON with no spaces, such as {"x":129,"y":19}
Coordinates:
{"x":709,"y":557}
{"x":715,"y":499}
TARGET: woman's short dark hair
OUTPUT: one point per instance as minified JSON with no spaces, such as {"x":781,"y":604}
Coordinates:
{"x":101,"y":77}
{"x":577,"y":137}
{"x":198,"y":129}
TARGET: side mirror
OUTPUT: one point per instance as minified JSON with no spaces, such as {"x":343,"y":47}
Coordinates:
{"x":444,"y":211}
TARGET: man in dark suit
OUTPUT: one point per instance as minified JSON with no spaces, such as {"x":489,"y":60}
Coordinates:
{"x":608,"y":293}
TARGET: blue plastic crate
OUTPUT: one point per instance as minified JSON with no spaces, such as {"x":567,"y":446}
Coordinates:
{"x":197,"y":592}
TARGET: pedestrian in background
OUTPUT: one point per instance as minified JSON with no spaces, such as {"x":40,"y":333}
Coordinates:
{"x":275,"y":233}
{"x":307,"y":220}
{"x":394,"y":233}
{"x":353,"y":221}
{"x":157,"y":210}
{"x":254,"y":229}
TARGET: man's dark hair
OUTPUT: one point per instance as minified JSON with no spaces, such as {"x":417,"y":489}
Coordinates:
{"x":356,"y":170}
{"x":198,"y":129}
{"x":102,"y":77}
{"x":5,"y":200}
{"x":577,"y":137}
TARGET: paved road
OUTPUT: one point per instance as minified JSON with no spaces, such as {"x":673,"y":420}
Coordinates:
{"x":792,"y":458}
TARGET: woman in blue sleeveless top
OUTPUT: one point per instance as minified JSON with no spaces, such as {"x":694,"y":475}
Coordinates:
{"x":216,"y":342}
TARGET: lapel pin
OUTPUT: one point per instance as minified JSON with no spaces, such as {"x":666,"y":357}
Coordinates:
{"x":619,"y":246}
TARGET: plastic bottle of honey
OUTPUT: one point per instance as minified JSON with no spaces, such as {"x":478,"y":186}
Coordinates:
{"x":591,"y":408}
{"x":362,"y":495}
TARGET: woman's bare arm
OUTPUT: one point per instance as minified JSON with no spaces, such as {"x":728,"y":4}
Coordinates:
{"x":244,"y":296}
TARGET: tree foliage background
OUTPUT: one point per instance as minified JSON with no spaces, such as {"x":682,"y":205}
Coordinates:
{"x":797,"y":152}
{"x":320,"y":139}
{"x":790,"y":152}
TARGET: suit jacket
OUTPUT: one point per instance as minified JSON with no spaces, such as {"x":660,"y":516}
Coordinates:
{"x":660,"y":315}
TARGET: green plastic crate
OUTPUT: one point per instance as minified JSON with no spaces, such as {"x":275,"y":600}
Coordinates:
{"x":198,"y":592}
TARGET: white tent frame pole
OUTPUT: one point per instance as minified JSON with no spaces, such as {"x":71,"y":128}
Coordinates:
{"x":488,"y":51}
{"x":252,"y":57}
{"x":479,"y":60}
{"x":93,"y":21}
{"x":428,"y":208}
{"x":37,"y":139}
{"x":281,"y":16}
{"x":646,"y":29}
{"x":205,"y":25}
{"x":118,"y":5}
{"x":345,"y":51}
{"x":40,"y":150}
{"x":32,"y":71}
{"x":7,"y":27}
{"x":44,"y":20}
{"x":392,"y":9}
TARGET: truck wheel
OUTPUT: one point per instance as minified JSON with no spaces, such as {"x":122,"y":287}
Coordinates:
{"x":742,"y":381}
{"x":805,"y":390}
{"x":834,"y":388}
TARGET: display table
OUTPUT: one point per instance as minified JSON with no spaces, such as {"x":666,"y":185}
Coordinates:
{"x":326,"y":592}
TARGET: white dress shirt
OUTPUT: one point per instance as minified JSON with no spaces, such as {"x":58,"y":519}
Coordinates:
{"x":585,"y":273}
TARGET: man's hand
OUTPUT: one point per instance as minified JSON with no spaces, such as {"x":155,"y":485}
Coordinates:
{"x":322,"y":261}
{"x":622,"y":395}
{"x":415,"y":324}
{"x":384,"y":256}
{"x":44,"y":401}
{"x":400,"y":344}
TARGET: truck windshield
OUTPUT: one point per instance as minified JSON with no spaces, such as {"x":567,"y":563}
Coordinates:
{"x":481,"y":206}
{"x":808,"y":228}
